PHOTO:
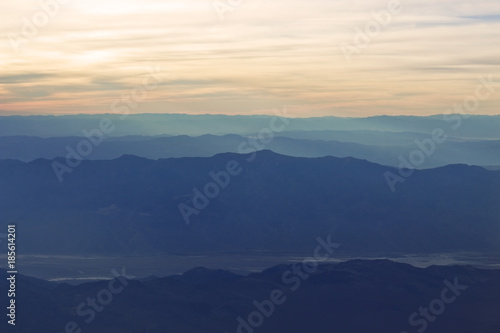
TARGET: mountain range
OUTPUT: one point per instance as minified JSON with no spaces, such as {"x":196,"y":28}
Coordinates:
{"x":454,"y":151}
{"x":456,"y":125}
{"x":270,"y":202}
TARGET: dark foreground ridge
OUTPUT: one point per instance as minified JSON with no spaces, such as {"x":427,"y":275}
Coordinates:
{"x":357,"y":296}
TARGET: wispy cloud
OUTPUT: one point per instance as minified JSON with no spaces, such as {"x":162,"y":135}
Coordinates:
{"x":263,"y":55}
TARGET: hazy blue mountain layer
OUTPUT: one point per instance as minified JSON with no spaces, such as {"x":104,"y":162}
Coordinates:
{"x":479,"y":127}
{"x":454,"y":151}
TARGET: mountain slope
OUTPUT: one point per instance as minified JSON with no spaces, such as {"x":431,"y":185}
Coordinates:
{"x":278,"y":203}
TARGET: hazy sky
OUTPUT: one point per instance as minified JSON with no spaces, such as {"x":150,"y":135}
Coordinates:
{"x":264,"y":54}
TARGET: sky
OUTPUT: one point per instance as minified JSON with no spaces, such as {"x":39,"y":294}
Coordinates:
{"x":247,"y":56}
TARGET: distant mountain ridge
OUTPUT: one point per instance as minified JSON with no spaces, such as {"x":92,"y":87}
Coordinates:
{"x":474,"y":126}
{"x":482,"y":153}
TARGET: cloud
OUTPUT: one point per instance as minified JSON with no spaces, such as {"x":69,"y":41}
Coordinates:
{"x":265,"y":54}
{"x":21,"y":78}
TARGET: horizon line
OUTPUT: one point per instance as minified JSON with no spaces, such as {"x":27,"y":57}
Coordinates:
{"x":246,"y":115}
